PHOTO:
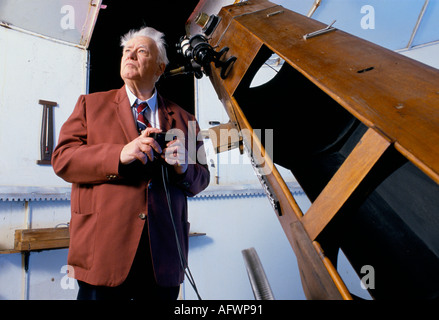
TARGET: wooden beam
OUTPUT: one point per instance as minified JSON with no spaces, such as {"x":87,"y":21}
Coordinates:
{"x":9,"y":251}
{"x":333,"y":273}
{"x":40,"y":239}
{"x":317,"y":282}
{"x":48,"y":238}
{"x":355,"y":168}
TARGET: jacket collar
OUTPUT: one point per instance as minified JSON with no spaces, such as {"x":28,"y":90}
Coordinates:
{"x":125,"y":115}
{"x":165,"y":114}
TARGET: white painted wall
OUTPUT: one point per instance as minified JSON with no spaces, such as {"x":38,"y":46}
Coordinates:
{"x":428,"y":54}
{"x":33,"y":68}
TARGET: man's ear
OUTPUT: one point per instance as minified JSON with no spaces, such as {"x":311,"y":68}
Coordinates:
{"x":161,"y":69}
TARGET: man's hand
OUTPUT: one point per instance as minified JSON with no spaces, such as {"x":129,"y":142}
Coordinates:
{"x":141,"y":148}
{"x":175,"y":154}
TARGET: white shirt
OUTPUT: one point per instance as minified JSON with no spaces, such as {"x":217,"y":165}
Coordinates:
{"x":151,"y":114}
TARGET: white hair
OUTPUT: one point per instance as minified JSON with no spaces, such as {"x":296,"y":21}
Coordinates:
{"x":152,"y":33}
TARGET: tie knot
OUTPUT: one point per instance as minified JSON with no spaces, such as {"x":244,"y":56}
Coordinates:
{"x":141,"y":107}
{"x":142,"y":121}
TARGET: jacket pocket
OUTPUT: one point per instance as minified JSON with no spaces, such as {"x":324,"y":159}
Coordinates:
{"x":82,"y":198}
{"x":82,"y":240}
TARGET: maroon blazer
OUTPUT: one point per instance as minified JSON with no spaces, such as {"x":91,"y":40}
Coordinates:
{"x":109,"y":201}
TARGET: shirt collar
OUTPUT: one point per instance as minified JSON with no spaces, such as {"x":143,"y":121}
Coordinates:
{"x":152,"y":102}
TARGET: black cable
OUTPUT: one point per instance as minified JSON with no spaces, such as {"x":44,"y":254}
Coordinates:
{"x":183,"y":261}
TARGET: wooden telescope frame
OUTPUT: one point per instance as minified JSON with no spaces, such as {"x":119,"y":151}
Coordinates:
{"x":394,"y":97}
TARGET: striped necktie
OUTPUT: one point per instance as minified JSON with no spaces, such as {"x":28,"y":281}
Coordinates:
{"x":142,"y":122}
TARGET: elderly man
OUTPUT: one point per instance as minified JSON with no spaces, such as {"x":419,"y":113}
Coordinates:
{"x":123,"y":240}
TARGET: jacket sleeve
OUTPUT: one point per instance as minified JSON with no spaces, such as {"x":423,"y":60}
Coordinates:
{"x":194,"y":180}
{"x":197,"y":176}
{"x":75,"y":160}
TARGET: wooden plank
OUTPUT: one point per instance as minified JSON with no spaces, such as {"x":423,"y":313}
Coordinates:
{"x":236,"y":38}
{"x":48,"y":238}
{"x":48,"y":103}
{"x":355,"y":168}
{"x":228,"y":13}
{"x":196,"y":234}
{"x":9,"y":251}
{"x":316,"y":281}
{"x":40,"y":239}
{"x":341,"y":287}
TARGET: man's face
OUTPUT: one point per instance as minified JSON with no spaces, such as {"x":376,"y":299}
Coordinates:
{"x":139,"y":61}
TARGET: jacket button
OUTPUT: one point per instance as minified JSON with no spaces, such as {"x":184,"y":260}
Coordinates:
{"x":142,"y":216}
{"x":186,"y":184}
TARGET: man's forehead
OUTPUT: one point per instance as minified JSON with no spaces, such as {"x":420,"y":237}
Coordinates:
{"x":140,"y":41}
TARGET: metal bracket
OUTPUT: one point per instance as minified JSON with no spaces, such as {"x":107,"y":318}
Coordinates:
{"x":46,"y":142}
{"x":329,"y":28}
{"x":225,"y":137}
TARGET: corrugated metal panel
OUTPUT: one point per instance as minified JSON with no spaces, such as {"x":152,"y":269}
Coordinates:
{"x":242,"y":190}
{"x":24,"y":193}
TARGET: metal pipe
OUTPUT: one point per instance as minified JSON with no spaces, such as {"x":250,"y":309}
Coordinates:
{"x":329,"y":28}
{"x":256,"y":274}
{"x":314,"y":7}
{"x":26,"y":254}
{"x":418,"y":23}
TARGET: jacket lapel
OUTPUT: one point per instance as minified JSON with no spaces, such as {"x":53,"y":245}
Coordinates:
{"x":125,"y":115}
{"x":165,"y":115}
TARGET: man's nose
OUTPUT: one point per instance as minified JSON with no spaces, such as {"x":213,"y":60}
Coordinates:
{"x":132,"y":55}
